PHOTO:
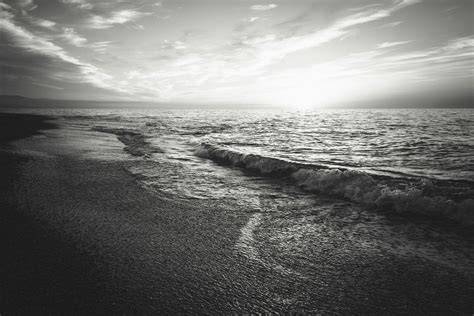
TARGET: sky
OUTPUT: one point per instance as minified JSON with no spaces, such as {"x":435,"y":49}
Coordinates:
{"x":295,"y":53}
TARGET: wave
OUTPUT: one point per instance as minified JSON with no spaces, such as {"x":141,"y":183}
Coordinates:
{"x":421,"y":196}
{"x":135,"y":143}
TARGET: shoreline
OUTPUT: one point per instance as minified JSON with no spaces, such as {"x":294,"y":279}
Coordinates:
{"x":83,"y":236}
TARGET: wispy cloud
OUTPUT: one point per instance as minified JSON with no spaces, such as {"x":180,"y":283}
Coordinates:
{"x":116,"y":17}
{"x":270,"y":52}
{"x":251,"y":19}
{"x":81,"y":4}
{"x":47,"y":24}
{"x":452,"y":58}
{"x":41,"y":84}
{"x":263,"y":7}
{"x":174,"y":45}
{"x":70,"y":35}
{"x":5,"y":6}
{"x":74,"y":70}
{"x":8,"y":12}
{"x":99,"y":47}
{"x":459,"y":51}
{"x":250,"y":56}
{"x":392,"y":44}
{"x":27,"y":5}
{"x":392,"y":24}
{"x":27,"y":40}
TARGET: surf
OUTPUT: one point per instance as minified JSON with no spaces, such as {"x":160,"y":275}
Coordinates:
{"x":411,"y":195}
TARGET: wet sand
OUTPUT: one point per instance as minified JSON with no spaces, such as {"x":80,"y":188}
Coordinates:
{"x":82,"y":236}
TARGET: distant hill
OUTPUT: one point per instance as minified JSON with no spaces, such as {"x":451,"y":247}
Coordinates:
{"x":16,"y":101}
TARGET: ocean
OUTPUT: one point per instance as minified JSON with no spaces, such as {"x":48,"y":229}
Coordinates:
{"x":416,"y":161}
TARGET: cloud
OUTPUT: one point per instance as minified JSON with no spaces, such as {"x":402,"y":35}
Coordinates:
{"x":256,"y":40}
{"x":27,"y":5}
{"x":461,"y":43}
{"x":46,"y":85}
{"x":272,"y":51}
{"x":116,"y":17}
{"x":28,"y":41}
{"x":263,"y":7}
{"x":47,"y":24}
{"x":392,"y":24}
{"x":72,"y":37}
{"x":5,"y":12}
{"x":99,"y":47}
{"x":252,"y":19}
{"x":451,"y":59}
{"x":81,"y":4}
{"x":392,"y":44}
{"x":28,"y":53}
{"x":238,"y":64}
{"x":173,"y":45}
{"x":5,"y":6}
{"x":459,"y":51}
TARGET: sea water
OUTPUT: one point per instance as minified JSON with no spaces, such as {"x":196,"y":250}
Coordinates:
{"x":406,"y":160}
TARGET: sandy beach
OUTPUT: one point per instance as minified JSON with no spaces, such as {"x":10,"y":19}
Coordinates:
{"x":81,"y":235}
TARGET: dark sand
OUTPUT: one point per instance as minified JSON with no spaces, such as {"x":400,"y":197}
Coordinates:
{"x":82,"y":236}
{"x":16,"y":126}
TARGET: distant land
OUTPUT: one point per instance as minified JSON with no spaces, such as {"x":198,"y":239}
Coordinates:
{"x":17,"y":101}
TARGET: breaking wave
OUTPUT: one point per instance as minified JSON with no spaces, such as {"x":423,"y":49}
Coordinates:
{"x":429,"y":197}
{"x":135,"y":142}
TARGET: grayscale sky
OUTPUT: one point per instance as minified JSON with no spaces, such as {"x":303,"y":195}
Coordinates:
{"x":297,"y":53}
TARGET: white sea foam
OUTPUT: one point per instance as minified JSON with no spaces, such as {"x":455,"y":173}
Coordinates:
{"x":417,"y":196}
{"x":245,"y":243}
